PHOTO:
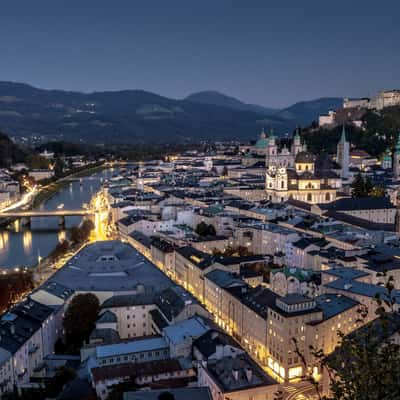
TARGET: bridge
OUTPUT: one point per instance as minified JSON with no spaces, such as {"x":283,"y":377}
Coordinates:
{"x":26,"y":216}
{"x":50,"y":213}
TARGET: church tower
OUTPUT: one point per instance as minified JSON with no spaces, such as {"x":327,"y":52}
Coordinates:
{"x":296,"y":145}
{"x":343,"y":154}
{"x":272,"y":150}
{"x":396,"y":160}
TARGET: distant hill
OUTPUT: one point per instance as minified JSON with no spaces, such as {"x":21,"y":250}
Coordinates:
{"x":305,"y":112}
{"x":220,"y":99}
{"x":10,"y":153}
{"x":137,"y":116}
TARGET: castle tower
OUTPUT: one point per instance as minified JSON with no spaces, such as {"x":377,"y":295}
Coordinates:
{"x":296,"y":145}
{"x":343,"y":154}
{"x":396,"y":160}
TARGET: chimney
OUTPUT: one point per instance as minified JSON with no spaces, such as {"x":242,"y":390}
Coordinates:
{"x":249,"y":374}
{"x":235,"y":373}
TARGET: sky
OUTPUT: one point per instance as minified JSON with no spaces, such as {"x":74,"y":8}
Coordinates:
{"x":272,"y":53}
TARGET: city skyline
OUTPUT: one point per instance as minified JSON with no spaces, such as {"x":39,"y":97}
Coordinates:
{"x":272,"y":55}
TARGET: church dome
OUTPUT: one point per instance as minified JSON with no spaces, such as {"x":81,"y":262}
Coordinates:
{"x":262,"y":143}
{"x":304,"y":157}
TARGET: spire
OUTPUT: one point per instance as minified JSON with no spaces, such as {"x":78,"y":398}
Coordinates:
{"x":262,"y":134}
{"x":297,"y":133}
{"x":271,"y":138}
{"x":343,"y":138}
{"x":271,"y":133}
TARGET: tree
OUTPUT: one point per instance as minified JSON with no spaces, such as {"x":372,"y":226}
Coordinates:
{"x":363,"y":187}
{"x":60,"y":249}
{"x":81,"y":234}
{"x":80,"y":320}
{"x":34,"y":161}
{"x":358,"y":186}
{"x":378,"y":191}
{"x":59,"y":166}
{"x":204,"y":229}
{"x":61,"y":377}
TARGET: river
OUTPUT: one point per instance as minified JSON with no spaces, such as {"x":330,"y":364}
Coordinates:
{"x":21,"y":246}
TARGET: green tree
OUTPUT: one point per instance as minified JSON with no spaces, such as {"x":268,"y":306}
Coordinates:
{"x":378,"y":191}
{"x":204,"y":229}
{"x":80,"y":320}
{"x":35,"y":161}
{"x":358,"y":186}
{"x":81,"y":234}
{"x":59,"y":167}
{"x":363,"y":187}
{"x":60,"y":249}
{"x":61,"y":377}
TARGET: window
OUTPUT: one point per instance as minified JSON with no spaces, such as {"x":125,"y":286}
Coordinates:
{"x":309,"y":197}
{"x":327,"y":197}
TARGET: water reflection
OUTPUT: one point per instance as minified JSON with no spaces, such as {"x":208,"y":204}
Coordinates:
{"x":62,"y":235}
{"x":27,"y":241}
{"x":4,"y":239}
{"x":21,"y":246}
{"x":17,"y":224}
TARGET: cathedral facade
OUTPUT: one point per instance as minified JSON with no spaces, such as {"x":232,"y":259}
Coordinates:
{"x":268,"y":147}
{"x":300,"y":182}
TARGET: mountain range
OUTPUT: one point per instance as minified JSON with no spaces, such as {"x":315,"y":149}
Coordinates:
{"x":137,"y":116}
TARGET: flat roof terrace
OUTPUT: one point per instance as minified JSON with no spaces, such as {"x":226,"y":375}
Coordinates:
{"x":111,"y":266}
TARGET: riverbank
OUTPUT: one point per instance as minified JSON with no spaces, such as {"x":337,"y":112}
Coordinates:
{"x":51,"y":189}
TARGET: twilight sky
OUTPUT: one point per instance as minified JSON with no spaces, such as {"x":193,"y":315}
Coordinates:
{"x":272,"y":53}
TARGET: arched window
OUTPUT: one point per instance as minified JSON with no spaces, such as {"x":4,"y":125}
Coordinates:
{"x":282,"y":184}
{"x":309,"y":197}
{"x":328,"y":197}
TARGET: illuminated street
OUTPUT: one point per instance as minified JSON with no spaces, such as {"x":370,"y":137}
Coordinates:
{"x":26,"y":199}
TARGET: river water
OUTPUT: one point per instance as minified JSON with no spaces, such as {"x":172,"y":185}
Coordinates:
{"x":21,"y":246}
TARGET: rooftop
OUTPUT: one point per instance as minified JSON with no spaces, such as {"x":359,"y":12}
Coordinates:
{"x":132,"y":346}
{"x":334,"y":304}
{"x":111,"y":266}
{"x":134,"y":369}
{"x":238,"y":373}
{"x":196,"y":393}
{"x":189,"y":328}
